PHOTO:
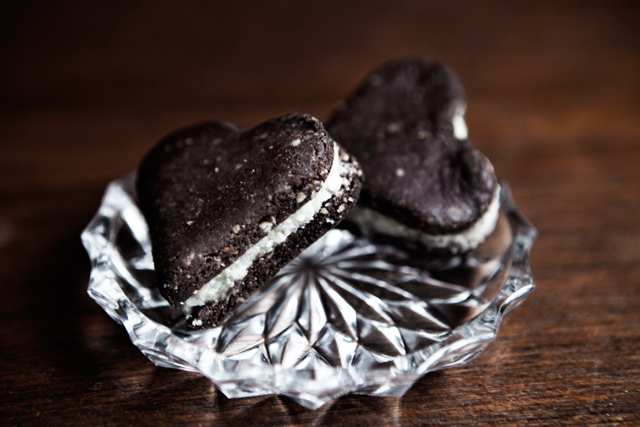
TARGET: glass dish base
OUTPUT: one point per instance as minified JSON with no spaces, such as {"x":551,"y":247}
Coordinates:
{"x":349,"y":315}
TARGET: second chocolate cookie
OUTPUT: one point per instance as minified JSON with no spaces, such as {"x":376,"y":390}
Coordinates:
{"x":424,"y":181}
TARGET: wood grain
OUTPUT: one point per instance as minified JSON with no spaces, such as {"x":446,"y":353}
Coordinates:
{"x":553,"y":93}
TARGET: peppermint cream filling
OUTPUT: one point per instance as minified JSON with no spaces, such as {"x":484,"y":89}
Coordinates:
{"x":460,"y":130}
{"x":371,"y":221}
{"x":218,"y":287}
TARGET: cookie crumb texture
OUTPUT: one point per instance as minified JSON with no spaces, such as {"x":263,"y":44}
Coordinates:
{"x":332,"y":213}
{"x":399,"y":123}
{"x":209,"y":193}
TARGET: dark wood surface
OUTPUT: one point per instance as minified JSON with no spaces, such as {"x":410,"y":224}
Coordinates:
{"x":553,"y":100}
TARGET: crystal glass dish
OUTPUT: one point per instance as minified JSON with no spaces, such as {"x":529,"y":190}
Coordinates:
{"x":349,"y":315}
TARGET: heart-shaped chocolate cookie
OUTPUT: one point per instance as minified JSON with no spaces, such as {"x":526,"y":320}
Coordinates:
{"x":226,"y":209}
{"x":425,"y":182}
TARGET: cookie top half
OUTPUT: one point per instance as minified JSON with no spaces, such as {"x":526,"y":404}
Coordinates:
{"x":399,"y":123}
{"x":209,"y":193}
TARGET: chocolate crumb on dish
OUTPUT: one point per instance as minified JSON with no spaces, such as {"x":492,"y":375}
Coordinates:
{"x":227,"y":209}
{"x":426,"y":184}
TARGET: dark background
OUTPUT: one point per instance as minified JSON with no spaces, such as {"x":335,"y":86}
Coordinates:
{"x":553,"y":91}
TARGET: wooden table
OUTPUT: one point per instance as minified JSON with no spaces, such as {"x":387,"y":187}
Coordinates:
{"x":553,"y":100}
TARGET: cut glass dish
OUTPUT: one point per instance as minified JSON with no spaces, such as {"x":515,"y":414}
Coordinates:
{"x":349,"y":315}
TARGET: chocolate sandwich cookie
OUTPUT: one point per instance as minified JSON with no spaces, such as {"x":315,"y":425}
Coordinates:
{"x":227,"y":209}
{"x":425,"y":182}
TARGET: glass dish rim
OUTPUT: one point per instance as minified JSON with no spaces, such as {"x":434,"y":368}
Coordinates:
{"x":463,"y":343}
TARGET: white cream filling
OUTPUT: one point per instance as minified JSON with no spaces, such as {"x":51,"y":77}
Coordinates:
{"x":371,"y":221}
{"x":460,"y":130}
{"x":218,"y":287}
